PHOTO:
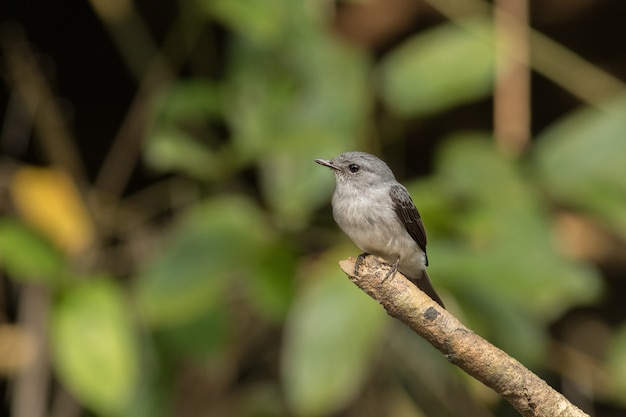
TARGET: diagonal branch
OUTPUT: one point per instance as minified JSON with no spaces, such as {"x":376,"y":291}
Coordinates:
{"x":529,"y":394}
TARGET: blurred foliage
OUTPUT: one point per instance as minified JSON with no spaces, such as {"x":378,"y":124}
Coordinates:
{"x":26,"y":255}
{"x":488,"y":207}
{"x":615,"y":366}
{"x":422,"y":76}
{"x":581,"y":162}
{"x":190,"y":275}
{"x":181,"y":114}
{"x":321,"y":367}
{"x":242,"y":284}
{"x":94,"y":346}
{"x":50,"y":202}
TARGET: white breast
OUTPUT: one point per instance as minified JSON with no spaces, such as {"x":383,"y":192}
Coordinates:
{"x":372,"y":224}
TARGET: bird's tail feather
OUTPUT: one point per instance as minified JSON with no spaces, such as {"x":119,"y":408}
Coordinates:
{"x":423,"y":283}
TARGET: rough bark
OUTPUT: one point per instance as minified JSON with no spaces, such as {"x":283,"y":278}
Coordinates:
{"x":528,"y":393}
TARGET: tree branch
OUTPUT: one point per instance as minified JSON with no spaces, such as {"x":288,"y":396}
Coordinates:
{"x":529,"y":394}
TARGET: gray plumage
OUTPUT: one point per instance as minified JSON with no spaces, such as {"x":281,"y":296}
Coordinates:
{"x":378,"y":215}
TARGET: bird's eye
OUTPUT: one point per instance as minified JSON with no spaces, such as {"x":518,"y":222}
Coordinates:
{"x":354,"y":168}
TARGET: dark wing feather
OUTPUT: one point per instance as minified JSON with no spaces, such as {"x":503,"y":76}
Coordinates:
{"x":408,"y":215}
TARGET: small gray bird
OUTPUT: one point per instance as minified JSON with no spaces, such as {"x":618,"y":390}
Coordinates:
{"x":378,"y":215}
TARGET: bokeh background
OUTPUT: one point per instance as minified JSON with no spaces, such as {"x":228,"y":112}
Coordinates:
{"x":166,"y":241}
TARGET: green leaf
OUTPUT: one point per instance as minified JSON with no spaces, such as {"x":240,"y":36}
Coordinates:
{"x":581,"y":160}
{"x":270,"y":289}
{"x":95,"y":353}
{"x":331,"y":334}
{"x":263,"y":21}
{"x":433,"y":71}
{"x":615,"y":366}
{"x":194,"y":99}
{"x":311,"y":93}
{"x":215,"y":242}
{"x":206,"y":336}
{"x":26,"y":255}
{"x":170,"y":149}
{"x":294,"y":185}
{"x":180,"y":136}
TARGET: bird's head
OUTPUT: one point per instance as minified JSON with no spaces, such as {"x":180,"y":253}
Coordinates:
{"x":359,"y":170}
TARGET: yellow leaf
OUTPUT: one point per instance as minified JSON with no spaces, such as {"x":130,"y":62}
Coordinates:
{"x":48,"y":200}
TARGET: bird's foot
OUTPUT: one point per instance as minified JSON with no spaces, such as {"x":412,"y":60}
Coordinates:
{"x":392,"y":271}
{"x":359,"y":261}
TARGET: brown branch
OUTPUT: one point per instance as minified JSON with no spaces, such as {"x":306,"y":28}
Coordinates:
{"x":528,"y":393}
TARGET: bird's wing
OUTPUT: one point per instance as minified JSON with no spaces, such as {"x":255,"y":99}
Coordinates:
{"x":408,"y":214}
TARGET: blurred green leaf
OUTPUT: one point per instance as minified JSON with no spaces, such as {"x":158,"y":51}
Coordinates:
{"x":270,"y":289}
{"x":262,"y":21}
{"x":180,"y":136}
{"x":581,"y":160}
{"x":438,"y":69}
{"x":311,"y":93}
{"x":192,"y":99}
{"x":330,"y":336}
{"x":294,"y":185}
{"x":204,"y":336}
{"x":215,"y":242}
{"x":170,"y":149}
{"x":615,"y":366}
{"x":95,"y":352}
{"x":26,"y":255}
{"x":497,"y":253}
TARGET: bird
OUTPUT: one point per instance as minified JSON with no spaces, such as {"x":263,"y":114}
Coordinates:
{"x":379,"y":216}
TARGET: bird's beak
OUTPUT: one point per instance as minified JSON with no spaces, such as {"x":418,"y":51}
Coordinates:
{"x":327,"y":164}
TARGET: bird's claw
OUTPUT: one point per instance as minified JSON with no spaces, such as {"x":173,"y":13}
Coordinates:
{"x":359,"y":261}
{"x":392,"y":271}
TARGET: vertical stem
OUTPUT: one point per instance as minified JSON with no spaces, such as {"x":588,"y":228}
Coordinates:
{"x":31,"y":384}
{"x":512,"y":89}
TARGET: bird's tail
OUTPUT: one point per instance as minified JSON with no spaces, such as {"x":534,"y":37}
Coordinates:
{"x":424,"y":284}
